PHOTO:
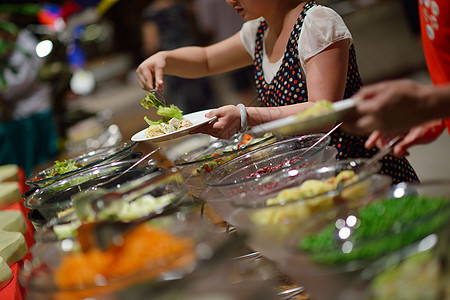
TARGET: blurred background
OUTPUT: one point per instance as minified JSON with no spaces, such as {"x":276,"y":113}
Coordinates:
{"x":91,"y":49}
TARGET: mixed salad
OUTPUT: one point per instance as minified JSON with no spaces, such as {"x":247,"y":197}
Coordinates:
{"x":209,"y":165}
{"x":61,"y":167}
{"x":172,"y":117}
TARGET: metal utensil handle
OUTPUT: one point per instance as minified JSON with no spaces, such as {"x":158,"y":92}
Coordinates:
{"x":156,"y":92}
{"x":131,"y":167}
{"x":383,"y":151}
{"x":322,"y":138}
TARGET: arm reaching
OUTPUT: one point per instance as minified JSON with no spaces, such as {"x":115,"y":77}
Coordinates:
{"x":193,"y":62}
{"x":331,"y":61}
{"x":394,"y":107}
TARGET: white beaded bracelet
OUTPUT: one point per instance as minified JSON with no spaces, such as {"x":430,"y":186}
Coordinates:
{"x":243,"y":112}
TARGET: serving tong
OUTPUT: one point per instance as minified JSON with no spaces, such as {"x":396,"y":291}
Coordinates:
{"x":306,"y":152}
{"x":386,"y":149}
{"x":130,"y":168}
{"x":159,"y":96}
{"x":103,"y":234}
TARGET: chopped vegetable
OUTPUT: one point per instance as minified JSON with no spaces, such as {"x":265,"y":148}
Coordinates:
{"x":208,"y":166}
{"x":62,"y":167}
{"x":146,"y":249}
{"x":172,"y":117}
{"x":167,"y":113}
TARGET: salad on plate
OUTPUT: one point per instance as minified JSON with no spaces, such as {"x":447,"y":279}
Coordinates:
{"x":171,"y":121}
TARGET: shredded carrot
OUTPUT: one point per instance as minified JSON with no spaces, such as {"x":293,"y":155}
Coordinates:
{"x":144,"y":249}
{"x":247,"y":137}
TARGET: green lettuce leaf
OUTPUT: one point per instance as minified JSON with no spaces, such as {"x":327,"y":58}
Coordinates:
{"x":167,"y":112}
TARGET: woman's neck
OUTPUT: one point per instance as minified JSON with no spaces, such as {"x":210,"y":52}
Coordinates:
{"x":280,"y":22}
{"x":283,"y":13}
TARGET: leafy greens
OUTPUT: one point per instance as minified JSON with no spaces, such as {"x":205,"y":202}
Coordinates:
{"x":167,"y":112}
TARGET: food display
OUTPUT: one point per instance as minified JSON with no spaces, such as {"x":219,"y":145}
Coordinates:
{"x":62,"y":169}
{"x":323,"y":222}
{"x":400,"y":281}
{"x":319,"y":108}
{"x":239,"y":174}
{"x":55,"y":198}
{"x":311,"y":196}
{"x":197,"y":164}
{"x":148,"y":195}
{"x":375,"y":236}
{"x":65,"y":166}
{"x":318,"y":116}
{"x":144,"y":247}
{"x":209,"y":165}
{"x":377,"y":250}
{"x":172,"y":117}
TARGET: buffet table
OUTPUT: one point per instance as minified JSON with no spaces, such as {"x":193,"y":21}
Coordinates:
{"x":13,"y":290}
{"x":243,"y":210}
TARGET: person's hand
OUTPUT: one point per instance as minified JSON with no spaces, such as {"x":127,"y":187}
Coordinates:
{"x":150,"y":72}
{"x":423,"y":134}
{"x":392,"y":107}
{"x":227,"y":124}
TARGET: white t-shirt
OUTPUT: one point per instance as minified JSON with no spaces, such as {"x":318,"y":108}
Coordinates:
{"x":322,"y":27}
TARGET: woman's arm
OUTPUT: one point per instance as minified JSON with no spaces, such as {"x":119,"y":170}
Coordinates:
{"x":326,"y":75}
{"x":326,"y":72}
{"x":193,"y":62}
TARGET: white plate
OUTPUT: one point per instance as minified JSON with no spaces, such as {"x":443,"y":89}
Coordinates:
{"x":197,"y":119}
{"x":292,"y":125}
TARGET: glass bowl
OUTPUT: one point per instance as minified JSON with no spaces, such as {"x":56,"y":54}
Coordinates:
{"x":196,"y":164}
{"x":87,"y":160}
{"x":53,"y":199}
{"x":149,"y":196}
{"x":272,"y":160}
{"x":299,"y":195}
{"x":163,"y":249}
{"x":222,"y":204}
{"x":36,"y":219}
{"x":279,"y":223}
{"x":377,"y":251}
{"x":226,"y":275}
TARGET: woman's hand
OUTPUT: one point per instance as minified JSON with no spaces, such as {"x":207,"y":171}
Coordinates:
{"x":150,"y":72}
{"x":227,"y":124}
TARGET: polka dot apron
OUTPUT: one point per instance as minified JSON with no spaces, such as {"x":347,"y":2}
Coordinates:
{"x":289,"y":87}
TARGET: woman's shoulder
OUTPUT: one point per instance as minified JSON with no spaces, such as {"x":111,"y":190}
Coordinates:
{"x":320,"y":11}
{"x":325,"y":21}
{"x":252,"y":25}
{"x":248,"y":34}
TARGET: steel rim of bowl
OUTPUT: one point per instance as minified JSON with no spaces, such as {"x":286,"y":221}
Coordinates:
{"x":306,"y":148}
